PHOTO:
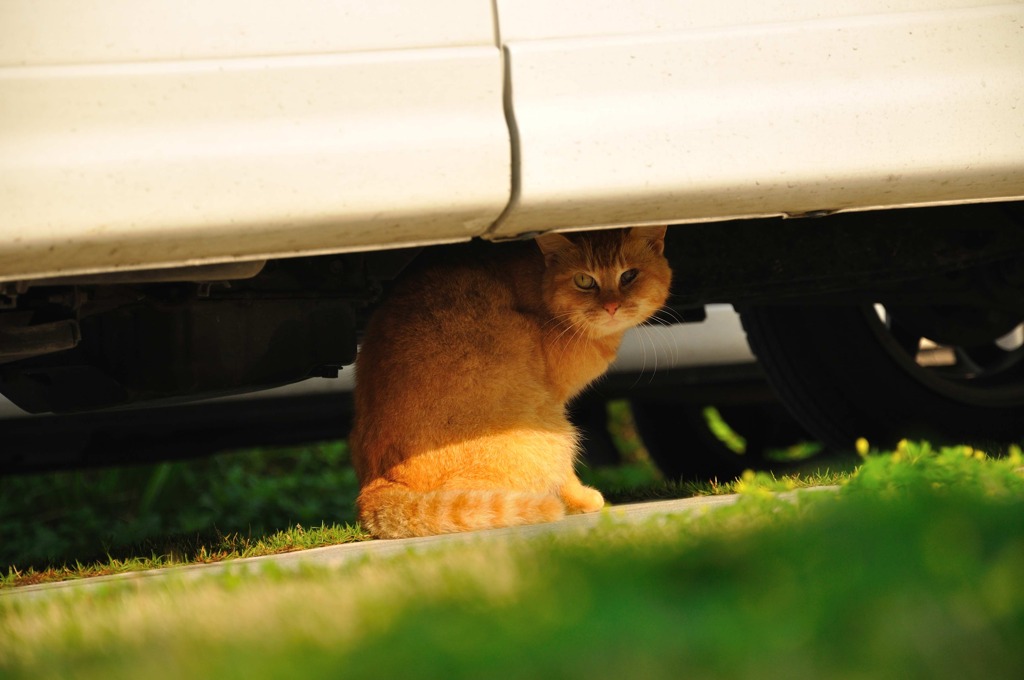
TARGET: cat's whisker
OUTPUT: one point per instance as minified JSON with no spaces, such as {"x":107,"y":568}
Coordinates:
{"x":586,"y":335}
{"x":570,"y":326}
{"x":672,"y":297}
{"x":557,"y":318}
{"x":668,"y":315}
{"x":563,"y":348}
{"x":672,"y":347}
{"x":577,"y":331}
{"x":643,"y":354}
{"x":645,"y":329}
{"x":576,"y":341}
{"x":565,"y":318}
{"x":654,"y":348}
{"x":552,"y":326}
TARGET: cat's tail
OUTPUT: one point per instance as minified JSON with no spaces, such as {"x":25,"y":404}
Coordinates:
{"x":396,"y":512}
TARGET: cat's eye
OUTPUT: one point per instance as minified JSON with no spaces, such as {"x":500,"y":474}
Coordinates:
{"x":628,"y":276}
{"x":584,"y":281}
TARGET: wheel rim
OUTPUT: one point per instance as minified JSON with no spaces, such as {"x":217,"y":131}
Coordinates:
{"x":989,"y":374}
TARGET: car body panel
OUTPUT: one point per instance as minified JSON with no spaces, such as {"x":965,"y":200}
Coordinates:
{"x":673,"y":115}
{"x":163,"y":153}
{"x":51,"y":32}
{"x":527,"y":20}
{"x":136,"y":135}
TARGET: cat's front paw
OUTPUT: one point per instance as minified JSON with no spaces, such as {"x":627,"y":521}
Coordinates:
{"x":579,"y":499}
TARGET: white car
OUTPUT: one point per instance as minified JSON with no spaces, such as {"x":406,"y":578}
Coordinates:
{"x":207,"y":198}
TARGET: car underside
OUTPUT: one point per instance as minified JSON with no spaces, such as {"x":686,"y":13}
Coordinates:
{"x":953,"y":275}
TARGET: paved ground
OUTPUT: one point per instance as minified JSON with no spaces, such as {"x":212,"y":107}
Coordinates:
{"x":340,"y":554}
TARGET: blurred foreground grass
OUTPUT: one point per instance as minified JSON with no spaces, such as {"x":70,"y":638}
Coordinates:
{"x":911,"y":570}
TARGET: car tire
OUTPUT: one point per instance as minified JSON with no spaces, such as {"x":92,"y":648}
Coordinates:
{"x":845,"y":372}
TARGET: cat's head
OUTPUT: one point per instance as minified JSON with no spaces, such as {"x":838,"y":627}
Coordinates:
{"x":606,"y":281}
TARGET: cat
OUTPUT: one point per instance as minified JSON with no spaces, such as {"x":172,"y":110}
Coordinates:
{"x":465,"y":370}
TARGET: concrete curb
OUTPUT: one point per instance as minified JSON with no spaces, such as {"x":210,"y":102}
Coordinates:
{"x":337,"y":555}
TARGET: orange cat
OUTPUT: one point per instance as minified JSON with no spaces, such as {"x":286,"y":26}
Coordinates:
{"x":465,"y":371}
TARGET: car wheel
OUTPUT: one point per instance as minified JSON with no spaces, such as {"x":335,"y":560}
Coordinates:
{"x":945,"y":374}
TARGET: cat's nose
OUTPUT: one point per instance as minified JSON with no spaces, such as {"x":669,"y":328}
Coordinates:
{"x":611,"y":308}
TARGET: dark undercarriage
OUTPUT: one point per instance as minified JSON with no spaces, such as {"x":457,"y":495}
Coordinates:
{"x":954,"y":274}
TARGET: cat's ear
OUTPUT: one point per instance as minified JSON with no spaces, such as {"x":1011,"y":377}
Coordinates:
{"x":655,"y":236}
{"x":551,"y":244}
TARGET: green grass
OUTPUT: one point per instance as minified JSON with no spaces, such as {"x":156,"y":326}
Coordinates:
{"x":191,"y":551}
{"x":69,"y":525}
{"x":638,"y":479}
{"x":911,"y":570}
{"x":737,"y":444}
{"x":72,"y":524}
{"x":721,"y":429}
